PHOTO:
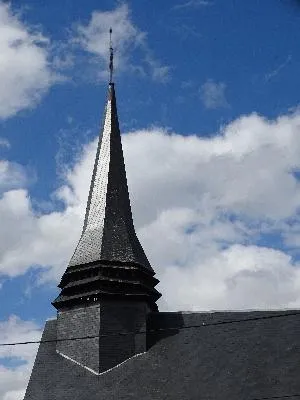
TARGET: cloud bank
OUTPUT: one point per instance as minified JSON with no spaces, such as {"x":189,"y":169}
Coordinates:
{"x":215,"y":201}
{"x":25,"y":71}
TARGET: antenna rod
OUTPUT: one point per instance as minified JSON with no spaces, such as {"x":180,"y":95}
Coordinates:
{"x":111,"y":58}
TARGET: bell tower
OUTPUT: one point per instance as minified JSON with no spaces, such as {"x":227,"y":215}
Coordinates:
{"x":108,"y":288}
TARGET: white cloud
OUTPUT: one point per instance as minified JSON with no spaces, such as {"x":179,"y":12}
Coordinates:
{"x":239,"y":277}
{"x":192,"y":4}
{"x":278,"y":69}
{"x":14,"y":395}
{"x":211,"y":199}
{"x":93,"y":37}
{"x":4,"y":142}
{"x":44,"y":239}
{"x":12,"y":175}
{"x":13,"y":380}
{"x":212,"y":94}
{"x":159,"y":72}
{"x":25,"y":72}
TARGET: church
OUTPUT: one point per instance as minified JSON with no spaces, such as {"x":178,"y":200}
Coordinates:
{"x":109,"y":340}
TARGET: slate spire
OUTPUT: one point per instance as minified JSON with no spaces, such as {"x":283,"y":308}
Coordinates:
{"x":108,"y":231}
{"x":108,"y":241}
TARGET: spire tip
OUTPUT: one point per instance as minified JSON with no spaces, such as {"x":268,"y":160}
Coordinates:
{"x":111,"y":58}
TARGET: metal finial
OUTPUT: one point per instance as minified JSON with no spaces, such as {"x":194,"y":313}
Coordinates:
{"x":111,"y":57}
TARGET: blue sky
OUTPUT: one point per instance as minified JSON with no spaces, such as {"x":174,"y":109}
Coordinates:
{"x":250,"y":48}
{"x":208,"y":101}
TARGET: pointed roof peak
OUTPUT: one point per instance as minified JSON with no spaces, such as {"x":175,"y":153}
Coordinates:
{"x":111,"y":57}
{"x":108,"y":233}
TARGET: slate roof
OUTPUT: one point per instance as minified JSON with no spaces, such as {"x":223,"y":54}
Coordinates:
{"x":108,"y":231}
{"x":253,"y":359}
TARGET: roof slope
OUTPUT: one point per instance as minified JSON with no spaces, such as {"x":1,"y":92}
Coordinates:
{"x":237,"y":361}
{"x":108,"y":232}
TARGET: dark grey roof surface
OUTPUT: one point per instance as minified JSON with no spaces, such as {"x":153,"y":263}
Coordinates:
{"x":237,"y":361}
{"x":108,"y":232}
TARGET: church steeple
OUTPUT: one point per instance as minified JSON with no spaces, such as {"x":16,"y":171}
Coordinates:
{"x":109,"y":285}
{"x":109,"y":260}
